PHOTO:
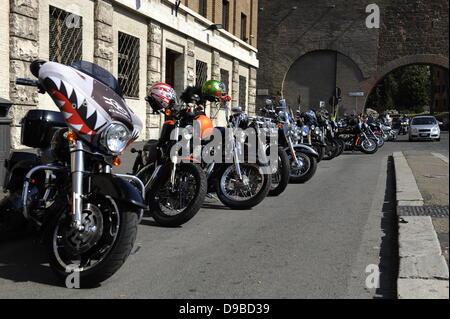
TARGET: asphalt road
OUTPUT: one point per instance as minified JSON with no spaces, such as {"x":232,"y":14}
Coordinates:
{"x":314,"y":241}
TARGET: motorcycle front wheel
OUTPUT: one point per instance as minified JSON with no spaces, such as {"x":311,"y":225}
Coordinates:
{"x":246,"y":193}
{"x":100,"y":249}
{"x":173,"y":206}
{"x":306,"y":171}
{"x":369,"y":146}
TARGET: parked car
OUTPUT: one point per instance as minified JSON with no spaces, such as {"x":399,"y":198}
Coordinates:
{"x":424,"y":128}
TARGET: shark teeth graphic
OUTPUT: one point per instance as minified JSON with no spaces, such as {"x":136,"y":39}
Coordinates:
{"x":60,"y":103}
{"x":77,"y":127}
{"x":67,"y":115}
{"x":69,"y":89}
{"x":56,"y":81}
{"x":100,"y":122}
{"x":90,"y":111}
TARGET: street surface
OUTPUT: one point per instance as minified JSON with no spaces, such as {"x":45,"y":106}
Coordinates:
{"x":314,"y":241}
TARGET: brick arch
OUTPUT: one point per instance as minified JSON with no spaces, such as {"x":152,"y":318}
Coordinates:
{"x":428,"y":59}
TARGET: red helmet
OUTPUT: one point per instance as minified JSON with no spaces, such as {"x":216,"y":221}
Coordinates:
{"x":162,"y":94}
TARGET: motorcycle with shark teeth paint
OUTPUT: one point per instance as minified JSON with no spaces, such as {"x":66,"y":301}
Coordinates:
{"x":86,"y":216}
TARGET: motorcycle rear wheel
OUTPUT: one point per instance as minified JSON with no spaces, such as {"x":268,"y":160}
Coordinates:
{"x":283,"y":174}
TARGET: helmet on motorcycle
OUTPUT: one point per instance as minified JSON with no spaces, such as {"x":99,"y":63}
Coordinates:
{"x":212,"y":90}
{"x":161,"y":95}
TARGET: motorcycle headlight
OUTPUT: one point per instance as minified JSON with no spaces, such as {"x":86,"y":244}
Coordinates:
{"x":317,"y":131}
{"x":116,"y":138}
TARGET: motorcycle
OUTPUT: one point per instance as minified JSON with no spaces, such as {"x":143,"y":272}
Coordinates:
{"x":241,"y":184}
{"x":86,"y":216}
{"x":358,"y":139}
{"x":175,"y":185}
{"x":302,"y":158}
{"x":280,"y":178}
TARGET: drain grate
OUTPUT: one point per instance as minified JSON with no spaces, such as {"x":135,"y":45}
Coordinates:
{"x":433,"y":211}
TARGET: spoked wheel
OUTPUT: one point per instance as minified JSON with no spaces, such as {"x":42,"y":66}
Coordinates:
{"x":174,"y":205}
{"x":304,"y":169}
{"x":280,"y":179}
{"x":369,"y":146}
{"x":97,"y":251}
{"x":242,"y":193}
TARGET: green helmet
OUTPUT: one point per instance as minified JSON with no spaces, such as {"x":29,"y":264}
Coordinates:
{"x":213,"y":90}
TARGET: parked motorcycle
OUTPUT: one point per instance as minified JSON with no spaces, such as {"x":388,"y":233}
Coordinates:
{"x":237,"y":182}
{"x":175,"y":185}
{"x":356,"y":138}
{"x":302,"y":158}
{"x":86,"y":215}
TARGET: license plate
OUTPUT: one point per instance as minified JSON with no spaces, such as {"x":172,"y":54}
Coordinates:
{"x":424,"y":135}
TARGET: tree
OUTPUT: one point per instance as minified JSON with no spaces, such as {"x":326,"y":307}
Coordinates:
{"x":406,"y":89}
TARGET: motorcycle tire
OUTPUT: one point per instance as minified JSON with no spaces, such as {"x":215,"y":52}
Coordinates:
{"x":284,"y":170}
{"x":201,"y":185}
{"x":365,"y":150}
{"x":115,"y":255}
{"x":312,"y":167}
{"x":341,"y":146}
{"x":265,"y":184}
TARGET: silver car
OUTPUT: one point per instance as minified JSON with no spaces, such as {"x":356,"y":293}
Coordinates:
{"x":424,"y":128}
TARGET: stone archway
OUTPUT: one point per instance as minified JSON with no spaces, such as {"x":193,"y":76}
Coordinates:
{"x":426,"y":59}
{"x":315,"y":75}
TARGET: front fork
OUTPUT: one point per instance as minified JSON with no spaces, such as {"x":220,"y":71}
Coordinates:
{"x":77,"y":170}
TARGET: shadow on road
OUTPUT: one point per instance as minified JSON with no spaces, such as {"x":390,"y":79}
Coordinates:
{"x":25,"y":260}
{"x":389,"y":243}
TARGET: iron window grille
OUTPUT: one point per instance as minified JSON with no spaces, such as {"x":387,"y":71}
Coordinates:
{"x":65,"y":36}
{"x":128,"y":57}
{"x":243,"y":92}
{"x":225,"y":78}
{"x":201,"y":73}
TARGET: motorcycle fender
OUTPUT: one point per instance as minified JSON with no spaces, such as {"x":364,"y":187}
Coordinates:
{"x":306,"y":149}
{"x":17,"y":166}
{"x":118,"y":188}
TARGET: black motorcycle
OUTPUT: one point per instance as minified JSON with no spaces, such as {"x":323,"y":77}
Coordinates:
{"x":302,"y":158}
{"x":86,"y":215}
{"x":175,"y":185}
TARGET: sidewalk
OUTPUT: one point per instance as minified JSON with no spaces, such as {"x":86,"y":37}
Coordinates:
{"x":422,"y":207}
{"x":431,"y":174}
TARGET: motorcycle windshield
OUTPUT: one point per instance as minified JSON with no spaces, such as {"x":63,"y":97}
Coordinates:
{"x":98,"y":73}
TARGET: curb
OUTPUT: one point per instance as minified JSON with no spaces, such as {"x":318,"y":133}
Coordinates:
{"x":423,"y":271}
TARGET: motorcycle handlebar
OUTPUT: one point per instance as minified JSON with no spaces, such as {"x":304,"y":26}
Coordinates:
{"x":27,"y":82}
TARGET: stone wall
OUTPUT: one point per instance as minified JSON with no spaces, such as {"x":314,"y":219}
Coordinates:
{"x":23,"y":49}
{"x":103,"y":34}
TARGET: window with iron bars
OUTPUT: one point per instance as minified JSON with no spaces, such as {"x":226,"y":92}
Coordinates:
{"x":243,"y":92}
{"x":128,"y":64}
{"x":65,"y":36}
{"x":225,"y":78}
{"x":201,"y":73}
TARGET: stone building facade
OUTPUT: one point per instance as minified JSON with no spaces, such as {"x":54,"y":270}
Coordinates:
{"x":141,"y":42}
{"x":307,"y":48}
